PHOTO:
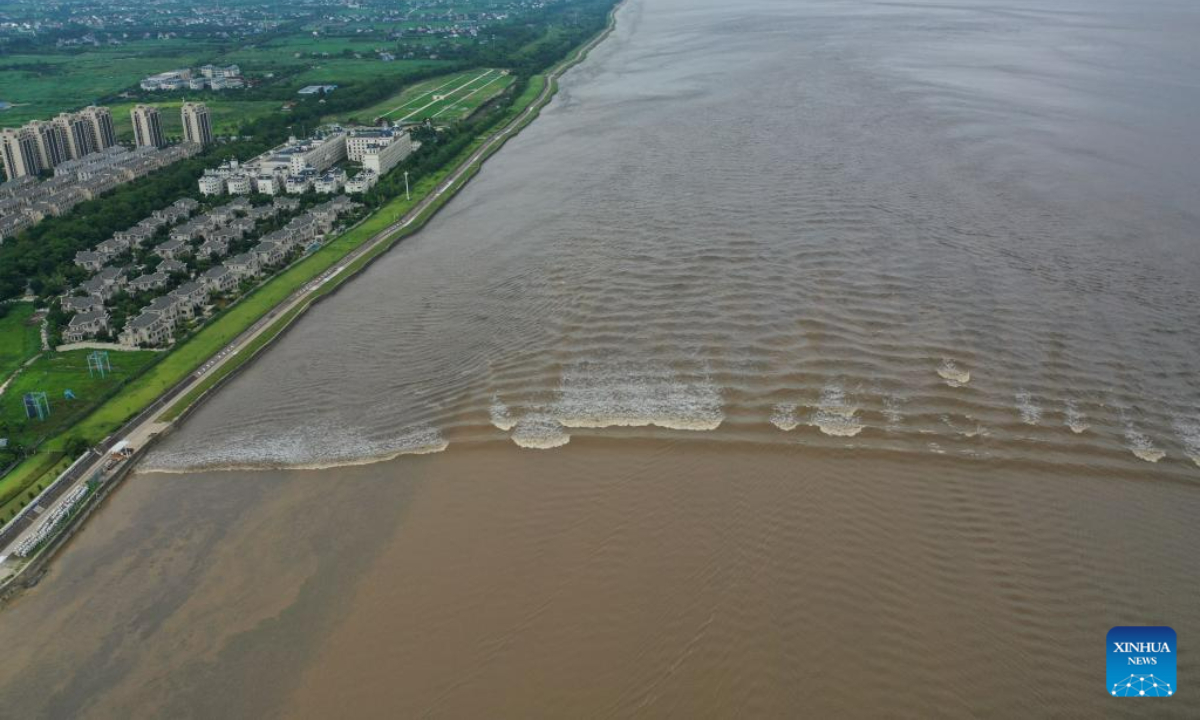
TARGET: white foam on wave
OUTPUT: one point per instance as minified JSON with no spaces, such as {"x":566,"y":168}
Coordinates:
{"x":834,"y":415}
{"x":1189,"y":435}
{"x":1031,"y":412}
{"x":952,"y":374}
{"x":784,"y":417}
{"x":1140,"y":443}
{"x":315,"y":447}
{"x":539,"y":432}
{"x":1074,"y":418}
{"x":501,"y":418}
{"x":600,"y":395}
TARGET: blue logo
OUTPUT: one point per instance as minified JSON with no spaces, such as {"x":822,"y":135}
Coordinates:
{"x":1141,"y":662}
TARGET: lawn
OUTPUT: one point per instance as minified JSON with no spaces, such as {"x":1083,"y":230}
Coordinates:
{"x":461,"y":94}
{"x":338,"y":71}
{"x":55,"y":374}
{"x":20,"y":339}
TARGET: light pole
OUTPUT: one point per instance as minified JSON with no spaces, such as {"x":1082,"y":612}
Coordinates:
{"x":407,"y":196}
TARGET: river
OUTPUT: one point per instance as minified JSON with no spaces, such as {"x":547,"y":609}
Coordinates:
{"x":804,"y":358}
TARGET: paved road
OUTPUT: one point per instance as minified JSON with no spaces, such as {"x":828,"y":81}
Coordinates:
{"x":150,"y":422}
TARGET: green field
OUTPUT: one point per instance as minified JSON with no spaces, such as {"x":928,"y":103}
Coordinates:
{"x":19,"y":338}
{"x":55,"y":374}
{"x":227,"y":115}
{"x":460,"y":94}
{"x":45,"y":84}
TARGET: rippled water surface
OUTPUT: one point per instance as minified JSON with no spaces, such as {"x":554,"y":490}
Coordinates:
{"x":827,"y":357}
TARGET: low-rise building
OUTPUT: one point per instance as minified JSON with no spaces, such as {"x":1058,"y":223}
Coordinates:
{"x":219,"y":279}
{"x":82,"y":304}
{"x":189,"y":298}
{"x":270,"y":253}
{"x":171,"y":267}
{"x":89,"y":260}
{"x":147,"y":329}
{"x":215,"y":248}
{"x":244,"y":265}
{"x":362,"y":182}
{"x":113,"y":277}
{"x":173,"y":249}
{"x":86,"y":325}
{"x":149,"y":281}
{"x":212,"y":184}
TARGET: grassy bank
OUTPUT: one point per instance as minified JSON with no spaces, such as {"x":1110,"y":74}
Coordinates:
{"x":20,"y":339}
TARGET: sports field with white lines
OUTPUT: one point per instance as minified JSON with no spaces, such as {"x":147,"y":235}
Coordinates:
{"x":442,"y":99}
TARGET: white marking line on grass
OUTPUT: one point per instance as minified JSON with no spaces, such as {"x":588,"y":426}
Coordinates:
{"x":445,"y":97}
{"x":468,"y":95}
{"x":425,"y":94}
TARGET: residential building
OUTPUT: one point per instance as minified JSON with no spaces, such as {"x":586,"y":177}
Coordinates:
{"x":378,"y":149}
{"x":89,"y":260}
{"x":84,"y":304}
{"x":220,"y":279}
{"x":270,"y":253}
{"x":19,"y":147}
{"x":100,"y":124}
{"x":173,"y":249}
{"x":51,"y":144}
{"x":244,"y":265}
{"x":189,"y":297}
{"x":148,"y":328}
{"x":172,"y":267}
{"x":217,"y":247}
{"x":212,"y":184}
{"x":147,"y":126}
{"x":197,"y":124}
{"x":149,"y":281}
{"x":86,"y":325}
{"x":76,"y":135}
{"x":362,"y":182}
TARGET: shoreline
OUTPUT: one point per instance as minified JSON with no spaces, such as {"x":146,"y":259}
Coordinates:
{"x":176,"y":403}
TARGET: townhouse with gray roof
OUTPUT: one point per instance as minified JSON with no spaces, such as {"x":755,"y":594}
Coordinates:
{"x":84,"y":304}
{"x":219,"y":279}
{"x":244,"y":265}
{"x":90,"y":260}
{"x":172,"y":267}
{"x":148,"y":281}
{"x":173,"y":249}
{"x":85,"y":326}
{"x":147,"y":329}
{"x":189,"y":298}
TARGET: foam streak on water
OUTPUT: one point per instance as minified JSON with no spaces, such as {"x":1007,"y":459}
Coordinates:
{"x":834,"y":415}
{"x":306,"y":448}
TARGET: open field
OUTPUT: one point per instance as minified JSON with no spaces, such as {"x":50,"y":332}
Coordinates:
{"x":445,"y":98}
{"x":55,"y":374}
{"x":45,"y":84}
{"x":19,"y":339}
{"x":227,"y":115}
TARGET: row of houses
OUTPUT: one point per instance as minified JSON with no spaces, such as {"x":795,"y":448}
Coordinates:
{"x":28,"y":202}
{"x":135,"y":237}
{"x":209,"y":235}
{"x":157,"y":321}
